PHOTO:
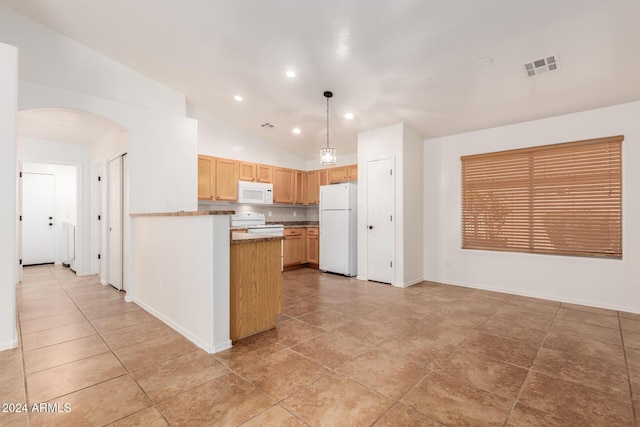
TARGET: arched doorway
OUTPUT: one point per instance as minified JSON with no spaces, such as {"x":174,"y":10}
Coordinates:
{"x":85,"y":141}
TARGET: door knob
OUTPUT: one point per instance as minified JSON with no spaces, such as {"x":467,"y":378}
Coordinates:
{"x":371,"y":227}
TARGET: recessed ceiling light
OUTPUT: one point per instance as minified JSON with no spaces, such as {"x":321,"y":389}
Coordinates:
{"x":296,"y":130}
{"x":349,"y":116}
{"x":290,"y":73}
{"x":237,"y":98}
{"x":485,"y":61}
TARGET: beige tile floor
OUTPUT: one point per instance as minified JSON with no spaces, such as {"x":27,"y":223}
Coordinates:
{"x":344,"y":353}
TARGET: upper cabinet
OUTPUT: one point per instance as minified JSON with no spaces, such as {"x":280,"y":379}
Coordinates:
{"x":312,"y":187}
{"x":206,"y":176}
{"x":300,"y":188}
{"x":226,"y":180}
{"x":247,"y":171}
{"x":338,"y":174}
{"x":264,"y":173}
{"x":352,"y":172}
{"x":218,"y":180}
{"x":255,"y":172}
{"x":343,"y":173}
{"x":283,"y":185}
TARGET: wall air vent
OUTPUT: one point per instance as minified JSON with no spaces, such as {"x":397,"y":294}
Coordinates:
{"x":542,"y":65}
{"x":267,"y":125}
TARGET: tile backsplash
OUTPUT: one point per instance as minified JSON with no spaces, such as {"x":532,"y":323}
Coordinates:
{"x":272,"y":213}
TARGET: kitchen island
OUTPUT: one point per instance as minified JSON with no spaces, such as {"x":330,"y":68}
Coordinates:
{"x":256,"y":283}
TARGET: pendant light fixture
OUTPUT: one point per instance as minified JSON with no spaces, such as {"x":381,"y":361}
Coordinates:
{"x":328,"y":154}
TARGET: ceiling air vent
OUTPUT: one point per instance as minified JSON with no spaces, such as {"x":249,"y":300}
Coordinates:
{"x":267,"y":125}
{"x":542,"y":65}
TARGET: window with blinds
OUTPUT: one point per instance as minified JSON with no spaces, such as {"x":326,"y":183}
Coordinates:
{"x":563,"y":199}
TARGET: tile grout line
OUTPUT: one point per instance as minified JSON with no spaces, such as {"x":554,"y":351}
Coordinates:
{"x":634,"y":413}
{"x":530,"y":369}
{"x":24,"y":368}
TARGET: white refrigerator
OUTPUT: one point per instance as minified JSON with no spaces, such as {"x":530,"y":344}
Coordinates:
{"x":338,"y":231}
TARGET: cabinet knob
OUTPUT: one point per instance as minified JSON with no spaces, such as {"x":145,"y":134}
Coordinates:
{"x":371,"y":227}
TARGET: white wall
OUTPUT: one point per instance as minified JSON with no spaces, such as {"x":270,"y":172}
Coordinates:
{"x":596,"y":282}
{"x":8,"y":208}
{"x":162,"y":147}
{"x":49,"y":58}
{"x":220,"y":139}
{"x":412,"y":207}
{"x":184,"y":259}
{"x":402,"y":144}
{"x":65,"y":208}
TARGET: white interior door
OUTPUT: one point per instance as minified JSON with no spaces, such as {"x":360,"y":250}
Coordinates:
{"x":38,"y":226}
{"x":380,"y":225}
{"x":114,"y":228}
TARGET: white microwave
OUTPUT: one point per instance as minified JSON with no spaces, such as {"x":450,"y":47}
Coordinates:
{"x":255,"y":192}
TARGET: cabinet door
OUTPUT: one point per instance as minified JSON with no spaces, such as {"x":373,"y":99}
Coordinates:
{"x":323,"y":179}
{"x":206,"y":175}
{"x":226,"y":180}
{"x":283,"y":185}
{"x":352,"y":172}
{"x":311,"y":188}
{"x":247,"y":171}
{"x":293,"y":247}
{"x":313,"y":246}
{"x":338,"y":174}
{"x":264,"y":173}
{"x":300,"y":178}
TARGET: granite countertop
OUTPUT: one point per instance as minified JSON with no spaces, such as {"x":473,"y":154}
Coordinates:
{"x":298,"y":224}
{"x":188,"y":213}
{"x":237,"y":238}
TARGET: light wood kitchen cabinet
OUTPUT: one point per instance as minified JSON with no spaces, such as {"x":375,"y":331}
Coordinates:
{"x":255,"y":172}
{"x":226,"y":180}
{"x":283,"y":185}
{"x":255,"y":286}
{"x":206,"y":175}
{"x":343,"y":174}
{"x":247,"y":171}
{"x":311,"y":192}
{"x":338,"y":174}
{"x":300,"y":187}
{"x":323,"y":178}
{"x":294,"y":249}
{"x":264,"y":173}
{"x":352,"y":172}
{"x":313,"y":246}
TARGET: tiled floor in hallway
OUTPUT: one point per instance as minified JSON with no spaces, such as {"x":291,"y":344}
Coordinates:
{"x":344,"y":353}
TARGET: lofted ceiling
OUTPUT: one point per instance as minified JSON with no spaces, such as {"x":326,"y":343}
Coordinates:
{"x":412,"y":61}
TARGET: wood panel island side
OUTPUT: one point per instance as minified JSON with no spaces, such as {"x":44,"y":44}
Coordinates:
{"x":256,"y":283}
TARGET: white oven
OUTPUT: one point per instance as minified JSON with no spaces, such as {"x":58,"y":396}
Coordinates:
{"x":255,"y":192}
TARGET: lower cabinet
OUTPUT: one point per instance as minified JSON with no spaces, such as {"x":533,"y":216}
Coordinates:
{"x":294,"y":246}
{"x":313,"y":246}
{"x":301,"y":247}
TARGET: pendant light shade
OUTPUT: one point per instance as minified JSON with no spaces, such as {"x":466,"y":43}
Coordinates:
{"x":328,"y":154}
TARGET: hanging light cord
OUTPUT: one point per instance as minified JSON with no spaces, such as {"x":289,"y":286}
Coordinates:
{"x":327,"y":122}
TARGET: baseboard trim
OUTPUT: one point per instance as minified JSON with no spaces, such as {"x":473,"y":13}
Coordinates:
{"x":209,"y":348}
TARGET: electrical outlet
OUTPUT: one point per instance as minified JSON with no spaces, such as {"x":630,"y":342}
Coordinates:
{"x":295,"y":213}
{"x":269,"y":213}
